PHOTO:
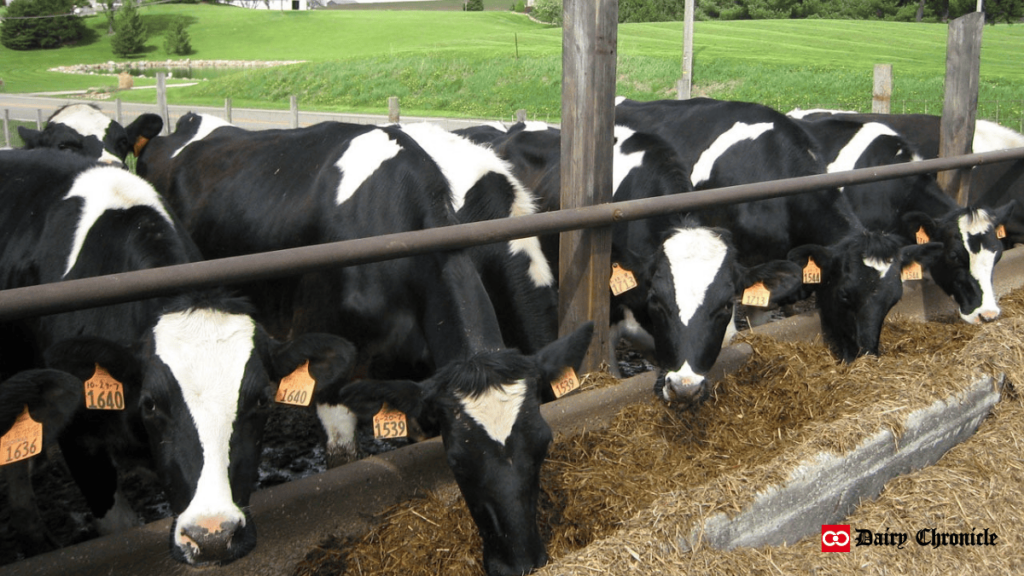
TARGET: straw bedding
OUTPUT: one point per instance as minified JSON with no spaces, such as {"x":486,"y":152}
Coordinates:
{"x":615,"y":500}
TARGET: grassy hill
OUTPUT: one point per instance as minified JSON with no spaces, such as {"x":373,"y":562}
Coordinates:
{"x":488,"y":64}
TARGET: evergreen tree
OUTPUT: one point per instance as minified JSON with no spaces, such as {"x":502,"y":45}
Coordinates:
{"x":1008,"y":11}
{"x":474,"y":5}
{"x":177,"y":40}
{"x":130,"y":32}
{"x":27,"y":34}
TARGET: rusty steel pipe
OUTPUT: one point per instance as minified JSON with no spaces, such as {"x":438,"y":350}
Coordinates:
{"x":116,"y":288}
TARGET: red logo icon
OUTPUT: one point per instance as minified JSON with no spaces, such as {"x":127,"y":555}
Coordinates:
{"x":835,"y":537}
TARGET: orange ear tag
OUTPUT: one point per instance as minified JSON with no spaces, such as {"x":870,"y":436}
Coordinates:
{"x":23,"y":440}
{"x":812,"y":274}
{"x":622,"y":280}
{"x":922,"y":236}
{"x":756,"y":295}
{"x":297,"y":387}
{"x":565,"y":383}
{"x":911,"y":271}
{"x":389,"y":423}
{"x":1000,"y":231}
{"x":103,"y":391}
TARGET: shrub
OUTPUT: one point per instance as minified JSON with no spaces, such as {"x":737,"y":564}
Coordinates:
{"x":31,"y":33}
{"x":177,"y":40}
{"x":130,"y":32}
{"x":474,"y":5}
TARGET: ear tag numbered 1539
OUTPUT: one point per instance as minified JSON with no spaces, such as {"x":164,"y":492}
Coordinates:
{"x":565,"y":383}
{"x":297,"y":387}
{"x":389,"y":423}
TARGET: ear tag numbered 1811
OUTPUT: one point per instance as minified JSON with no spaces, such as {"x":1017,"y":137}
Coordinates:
{"x":297,"y":387}
{"x":565,"y":383}
{"x":389,"y":423}
{"x":622,"y":280}
{"x":103,"y":391}
{"x":23,"y":440}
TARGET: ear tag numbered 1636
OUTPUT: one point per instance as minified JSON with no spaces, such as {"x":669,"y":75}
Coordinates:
{"x":103,"y":391}
{"x":911,"y":271}
{"x":622,"y":280}
{"x":389,"y":423}
{"x":756,"y":295}
{"x":565,"y":383}
{"x":23,"y":440}
{"x":297,"y":387}
{"x":812,"y":273}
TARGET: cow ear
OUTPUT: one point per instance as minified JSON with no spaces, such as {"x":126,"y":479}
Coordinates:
{"x":331,"y":360}
{"x":1001,"y":214}
{"x":52,"y":397}
{"x":29,"y":136}
{"x":915,"y":221}
{"x":783,"y":278}
{"x":80,"y":356}
{"x":365,"y":397}
{"x":567,"y":351}
{"x":142,"y":130}
{"x":924,"y":254}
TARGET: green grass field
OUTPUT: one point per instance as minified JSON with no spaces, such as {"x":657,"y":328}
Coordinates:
{"x":489,"y":64}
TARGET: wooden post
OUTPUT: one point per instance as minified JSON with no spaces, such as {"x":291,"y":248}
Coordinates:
{"x":394,"y":113}
{"x":227,"y":110}
{"x":521,"y":115}
{"x":295,"y":111}
{"x":589,"y":45}
{"x":39,"y":118}
{"x":881,"y":96}
{"x":959,"y":109}
{"x":118,"y":112}
{"x":686,"y":82}
{"x":161,"y":100}
{"x":7,"y":128}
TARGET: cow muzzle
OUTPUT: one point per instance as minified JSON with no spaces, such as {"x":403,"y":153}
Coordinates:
{"x":683,"y":386}
{"x":213,"y":540}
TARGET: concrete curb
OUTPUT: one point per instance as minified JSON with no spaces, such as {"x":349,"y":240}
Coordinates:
{"x":829,"y":487}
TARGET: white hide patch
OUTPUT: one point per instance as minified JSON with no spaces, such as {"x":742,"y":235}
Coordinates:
{"x":207,"y":124}
{"x":340,"y":424}
{"x":854,"y":149}
{"x":694,"y":255}
{"x":497,"y":409}
{"x":619,"y":100}
{"x":87,"y":121}
{"x":364,"y":155}
{"x":798,"y":113}
{"x":989,"y":137}
{"x":881,"y":266}
{"x":983,"y":263}
{"x":108,"y":188}
{"x":623,"y":164}
{"x":207,"y":351}
{"x":738,"y":133}
{"x":463,"y":164}
{"x":535,"y":126}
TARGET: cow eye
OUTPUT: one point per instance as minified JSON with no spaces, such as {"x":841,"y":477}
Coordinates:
{"x":148,"y":405}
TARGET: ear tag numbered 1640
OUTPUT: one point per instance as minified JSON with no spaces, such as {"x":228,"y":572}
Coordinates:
{"x":297,"y":387}
{"x":103,"y":391}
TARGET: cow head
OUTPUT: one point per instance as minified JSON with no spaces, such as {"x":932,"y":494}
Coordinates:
{"x":970,"y":252}
{"x":201,"y":384}
{"x":860,"y":283}
{"x":685,"y":297}
{"x":495,"y":439}
{"x":84,"y":129}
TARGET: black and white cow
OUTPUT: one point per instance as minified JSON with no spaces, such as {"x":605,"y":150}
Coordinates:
{"x":84,"y":129}
{"x":909,"y":204}
{"x":241,"y":192}
{"x":198,"y":372}
{"x":732,"y":143}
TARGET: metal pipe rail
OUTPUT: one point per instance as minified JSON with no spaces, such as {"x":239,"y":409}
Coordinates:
{"x":116,"y":288}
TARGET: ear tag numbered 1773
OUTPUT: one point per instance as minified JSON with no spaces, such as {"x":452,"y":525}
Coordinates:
{"x":389,"y":423}
{"x":103,"y":391}
{"x":922,"y":237}
{"x":622,"y":280}
{"x":23,"y":440}
{"x":812,"y":273}
{"x":912,"y":271}
{"x":565,"y":383}
{"x":756,"y":295}
{"x":297,"y":387}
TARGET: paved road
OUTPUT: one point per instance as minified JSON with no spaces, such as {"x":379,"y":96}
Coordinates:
{"x":33,"y":108}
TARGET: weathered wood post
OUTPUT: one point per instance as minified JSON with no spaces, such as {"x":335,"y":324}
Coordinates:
{"x":294,"y":105}
{"x":959,"y":109}
{"x":686,"y":82}
{"x":161,"y":100}
{"x":227,"y":110}
{"x":394,"y":112}
{"x":39,"y":119}
{"x":7,"y":128}
{"x":521,"y":115}
{"x":118,"y":112}
{"x":589,"y":44}
{"x":881,"y":94}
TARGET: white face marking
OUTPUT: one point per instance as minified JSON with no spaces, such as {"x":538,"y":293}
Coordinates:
{"x":87,"y":121}
{"x":738,"y":133}
{"x":364,"y":156}
{"x":340,"y":424}
{"x":694,"y":255}
{"x":207,"y":124}
{"x":854,"y":149}
{"x":989,"y":136}
{"x":206,"y":351}
{"x":982,"y":264}
{"x":623,"y":163}
{"x":108,"y":188}
{"x":464,"y":163}
{"x":881,"y":266}
{"x":681,"y":383}
{"x":497,"y":409}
